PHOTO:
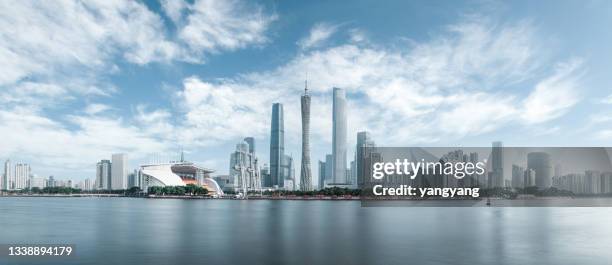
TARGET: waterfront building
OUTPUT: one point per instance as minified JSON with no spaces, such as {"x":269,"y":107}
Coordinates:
{"x":119,"y":171}
{"x":365,"y":145}
{"x":22,"y":175}
{"x":244,"y":168}
{"x":103,"y":175}
{"x":529,"y":178}
{"x":541,"y":164}
{"x":7,"y":177}
{"x":305,"y":173}
{"x":277,"y":146}
{"x":518,"y":174}
{"x":178,"y":173}
{"x":321,"y":174}
{"x":328,"y":169}
{"x":339,"y":125}
{"x":265,"y":176}
{"x":497,"y":160}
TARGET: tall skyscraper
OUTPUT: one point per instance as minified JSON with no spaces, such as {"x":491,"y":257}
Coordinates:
{"x":277,"y":145}
{"x":540,"y":163}
{"x":22,"y":175}
{"x":119,"y":171}
{"x":306,"y":174}
{"x":339,"y":136}
{"x":251,"y":142}
{"x":103,"y":175}
{"x":7,"y":176}
{"x":364,"y":144}
{"x":497,"y":159}
{"x":518,"y":176}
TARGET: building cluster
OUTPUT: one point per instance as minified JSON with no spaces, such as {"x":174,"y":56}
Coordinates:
{"x":20,"y":177}
{"x":113,"y":174}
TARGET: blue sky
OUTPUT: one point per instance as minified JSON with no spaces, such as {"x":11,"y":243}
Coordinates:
{"x":82,"y":80}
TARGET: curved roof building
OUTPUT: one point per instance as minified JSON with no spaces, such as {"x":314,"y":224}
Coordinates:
{"x":177,"y":174}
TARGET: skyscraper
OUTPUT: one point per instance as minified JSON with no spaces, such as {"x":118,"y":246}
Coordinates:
{"x":251,"y":142}
{"x":119,"y":171}
{"x":328,"y":168}
{"x":364,"y":144}
{"x":103,"y":175}
{"x":277,"y":145}
{"x":497,"y":176}
{"x":306,"y":174}
{"x":540,"y":163}
{"x":339,"y":136}
{"x":321,"y":174}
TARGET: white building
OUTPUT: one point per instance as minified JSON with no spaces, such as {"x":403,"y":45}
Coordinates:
{"x":22,"y":175}
{"x":244,"y":168}
{"x":119,"y":171}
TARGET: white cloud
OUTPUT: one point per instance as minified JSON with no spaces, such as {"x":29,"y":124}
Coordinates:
{"x":223,"y":25}
{"x":553,"y":96}
{"x":96,"y":108}
{"x":319,"y":33}
{"x":51,"y":38}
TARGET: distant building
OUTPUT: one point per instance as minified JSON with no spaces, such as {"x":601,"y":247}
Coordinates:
{"x":7,"y":177}
{"x":364,"y":144}
{"x":339,"y":125}
{"x":288,"y":172}
{"x":223,"y":181}
{"x":277,"y":145}
{"x":119,"y":171}
{"x":38,"y":182}
{"x":529,"y":179}
{"x":328,"y":168}
{"x":265,"y":176}
{"x":22,"y":175}
{"x":321,"y":175}
{"x":103,"y":175}
{"x":497,"y":160}
{"x":244,"y":169}
{"x":518,"y":176}
{"x":177,"y":174}
{"x":541,"y":164}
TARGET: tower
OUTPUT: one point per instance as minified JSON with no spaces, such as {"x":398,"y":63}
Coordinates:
{"x":339,"y":136}
{"x":277,"y":146}
{"x":306,"y":174}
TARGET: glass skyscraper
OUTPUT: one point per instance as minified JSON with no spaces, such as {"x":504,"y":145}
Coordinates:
{"x":339,"y":136}
{"x":277,"y":145}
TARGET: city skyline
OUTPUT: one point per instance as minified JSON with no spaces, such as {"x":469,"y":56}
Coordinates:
{"x":457,"y":73}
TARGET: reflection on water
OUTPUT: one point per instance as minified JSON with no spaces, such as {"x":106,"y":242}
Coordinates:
{"x":131,"y":231}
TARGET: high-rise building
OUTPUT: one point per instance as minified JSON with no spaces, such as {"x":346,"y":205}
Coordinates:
{"x":339,"y":136}
{"x":7,"y":176}
{"x":244,"y":169}
{"x":517,"y":176}
{"x":541,"y":164}
{"x":328,"y":168}
{"x":88,"y":185}
{"x":305,"y":173}
{"x":287,"y":172}
{"x":103,"y":175}
{"x":277,"y":146}
{"x":529,"y":178}
{"x":321,"y":174}
{"x":119,"y":171}
{"x":265,"y":176}
{"x":497,"y":160}
{"x":364,"y":146}
{"x":251,"y":142}
{"x":22,"y":175}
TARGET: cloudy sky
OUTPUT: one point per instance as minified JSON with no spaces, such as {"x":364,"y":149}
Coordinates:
{"x":80,"y":80}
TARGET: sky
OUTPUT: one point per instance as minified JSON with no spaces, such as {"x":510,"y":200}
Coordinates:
{"x":81,"y":80}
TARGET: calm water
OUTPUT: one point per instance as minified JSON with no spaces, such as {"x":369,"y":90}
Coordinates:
{"x":131,"y":231}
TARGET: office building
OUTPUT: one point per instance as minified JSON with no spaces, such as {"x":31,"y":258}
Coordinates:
{"x":518,"y":176}
{"x":541,"y":164}
{"x":103,"y":175}
{"x":339,"y":136}
{"x":497,"y":159}
{"x":244,"y":168}
{"x":277,"y":146}
{"x":22,"y":175}
{"x":365,"y":145}
{"x":119,"y":171}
